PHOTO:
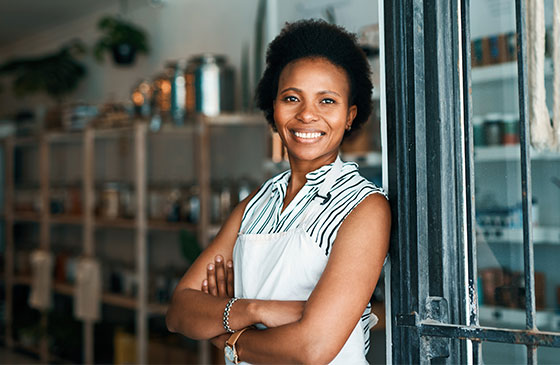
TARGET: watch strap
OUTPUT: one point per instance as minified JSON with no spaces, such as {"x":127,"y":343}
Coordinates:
{"x":235,"y":336}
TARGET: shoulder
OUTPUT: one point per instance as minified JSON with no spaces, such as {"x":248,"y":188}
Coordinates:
{"x":350,"y":179}
{"x":368,"y":225}
{"x":374,"y":207}
{"x":369,"y":211}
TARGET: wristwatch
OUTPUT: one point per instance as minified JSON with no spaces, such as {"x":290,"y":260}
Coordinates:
{"x":229,"y":350}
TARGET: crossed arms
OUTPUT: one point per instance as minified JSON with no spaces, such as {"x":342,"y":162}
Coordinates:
{"x":333,"y":308}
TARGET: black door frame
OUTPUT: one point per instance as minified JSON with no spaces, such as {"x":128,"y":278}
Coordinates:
{"x":434,"y":304}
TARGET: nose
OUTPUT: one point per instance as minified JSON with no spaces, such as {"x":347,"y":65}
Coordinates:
{"x":307,"y":113}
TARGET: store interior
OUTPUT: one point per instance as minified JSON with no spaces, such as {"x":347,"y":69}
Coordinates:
{"x":123,"y":163}
{"x":137,"y":164}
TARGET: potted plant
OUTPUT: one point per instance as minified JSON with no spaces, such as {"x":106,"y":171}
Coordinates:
{"x":122,"y":39}
{"x":57,"y":73}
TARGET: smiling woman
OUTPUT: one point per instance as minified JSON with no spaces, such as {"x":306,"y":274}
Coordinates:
{"x":289,"y":276}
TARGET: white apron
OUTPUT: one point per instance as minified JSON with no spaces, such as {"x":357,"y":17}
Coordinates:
{"x":287,"y":266}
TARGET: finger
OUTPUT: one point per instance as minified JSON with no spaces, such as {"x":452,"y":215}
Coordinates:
{"x":205,"y":286}
{"x":220,"y":275}
{"x":211,"y":276}
{"x":229,"y":278}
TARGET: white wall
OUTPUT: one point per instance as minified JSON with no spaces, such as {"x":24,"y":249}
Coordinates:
{"x":179,"y":29}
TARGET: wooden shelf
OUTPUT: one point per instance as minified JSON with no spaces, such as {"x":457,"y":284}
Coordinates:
{"x":237,"y":120}
{"x":502,"y":71}
{"x":511,"y":153}
{"x":27,"y":217}
{"x":28,"y":141}
{"x":63,"y":136}
{"x":156,"y":225}
{"x":63,"y":288}
{"x":158,"y":309}
{"x":66,"y":219}
{"x":113,"y":132}
{"x":171,"y":226}
{"x":22,"y":280}
{"x":123,"y":223}
{"x":138,"y":134}
{"x":119,"y":300}
{"x":115,"y":223}
{"x":116,"y":300}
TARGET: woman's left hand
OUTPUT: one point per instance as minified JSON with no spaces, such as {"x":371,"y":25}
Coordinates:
{"x":219,"y":278}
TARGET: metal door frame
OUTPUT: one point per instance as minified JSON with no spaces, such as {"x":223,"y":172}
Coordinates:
{"x":433,"y":314}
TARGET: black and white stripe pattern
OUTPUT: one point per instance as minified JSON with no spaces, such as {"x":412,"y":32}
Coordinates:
{"x":262,"y":214}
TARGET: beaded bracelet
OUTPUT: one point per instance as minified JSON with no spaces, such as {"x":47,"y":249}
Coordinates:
{"x":226,"y":315}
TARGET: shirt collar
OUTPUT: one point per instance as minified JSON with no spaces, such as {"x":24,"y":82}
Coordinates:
{"x":315,"y":177}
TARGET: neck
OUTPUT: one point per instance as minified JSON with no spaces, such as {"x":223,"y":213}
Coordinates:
{"x":301,"y":168}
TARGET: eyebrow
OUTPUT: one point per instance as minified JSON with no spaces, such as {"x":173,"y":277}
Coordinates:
{"x":320,"y":92}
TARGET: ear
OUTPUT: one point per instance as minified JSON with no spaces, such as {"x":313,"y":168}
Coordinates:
{"x":350,"y":116}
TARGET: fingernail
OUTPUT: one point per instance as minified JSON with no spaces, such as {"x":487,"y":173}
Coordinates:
{"x":204,"y":282}
{"x":219,"y":258}
{"x":230,"y":264}
{"x":210,"y":266}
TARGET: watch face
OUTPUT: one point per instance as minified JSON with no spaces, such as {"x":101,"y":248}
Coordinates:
{"x":230,"y":354}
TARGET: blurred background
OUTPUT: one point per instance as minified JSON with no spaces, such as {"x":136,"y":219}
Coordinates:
{"x":127,"y":134}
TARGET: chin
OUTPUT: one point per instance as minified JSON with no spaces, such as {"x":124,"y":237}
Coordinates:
{"x":308,"y":155}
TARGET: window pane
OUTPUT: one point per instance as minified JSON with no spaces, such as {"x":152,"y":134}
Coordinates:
{"x":499,"y":213}
{"x":502,"y":353}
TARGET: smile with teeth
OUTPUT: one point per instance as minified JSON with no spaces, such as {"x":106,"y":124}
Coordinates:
{"x":308,"y":135}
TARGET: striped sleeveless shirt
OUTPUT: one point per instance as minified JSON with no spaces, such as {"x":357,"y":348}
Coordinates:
{"x":263,"y":212}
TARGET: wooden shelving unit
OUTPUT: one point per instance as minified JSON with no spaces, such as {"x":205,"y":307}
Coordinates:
{"x":140,"y":224}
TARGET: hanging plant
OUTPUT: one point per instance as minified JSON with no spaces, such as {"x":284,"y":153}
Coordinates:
{"x":57,"y":74}
{"x":122,"y":39}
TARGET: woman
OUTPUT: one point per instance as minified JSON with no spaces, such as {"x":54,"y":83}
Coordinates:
{"x":308,"y":246}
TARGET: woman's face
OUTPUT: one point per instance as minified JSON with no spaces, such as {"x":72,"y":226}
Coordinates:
{"x":312,"y":110}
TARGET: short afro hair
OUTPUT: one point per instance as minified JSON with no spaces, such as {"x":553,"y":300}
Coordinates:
{"x":312,"y":38}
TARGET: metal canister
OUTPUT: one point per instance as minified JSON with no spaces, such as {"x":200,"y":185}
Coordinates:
{"x":178,"y":92}
{"x":161,"y":97}
{"x":210,"y":85}
{"x":493,"y":129}
{"x":142,"y":99}
{"x":110,"y":201}
{"x":510,"y":129}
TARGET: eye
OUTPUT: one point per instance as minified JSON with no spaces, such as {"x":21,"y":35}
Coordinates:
{"x":327,"y":101}
{"x":290,"y":98}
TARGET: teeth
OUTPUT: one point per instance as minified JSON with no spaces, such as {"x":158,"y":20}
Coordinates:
{"x":307,"y":135}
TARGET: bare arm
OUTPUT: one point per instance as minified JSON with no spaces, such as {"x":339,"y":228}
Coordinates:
{"x":335,"y":307}
{"x":197,"y":314}
{"x":198,"y":302}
